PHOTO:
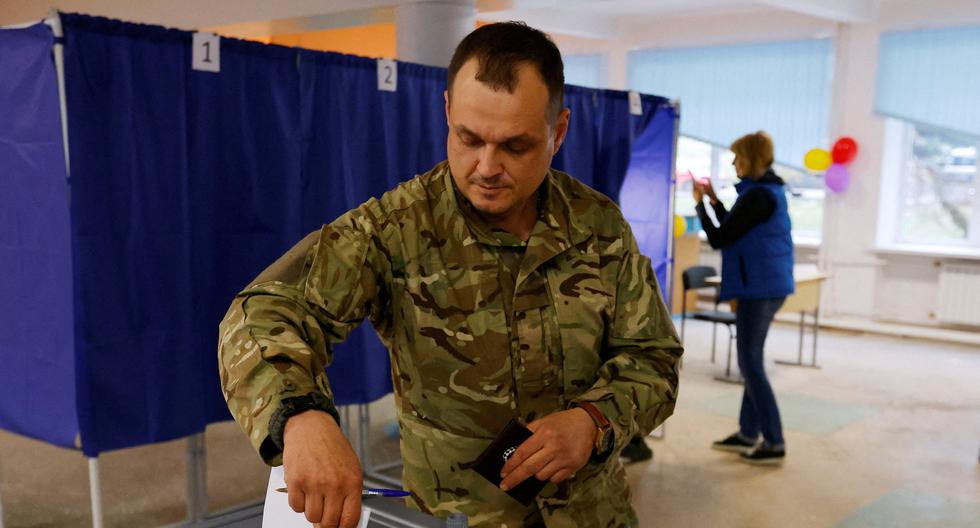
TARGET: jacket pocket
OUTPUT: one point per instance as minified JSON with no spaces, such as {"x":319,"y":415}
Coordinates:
{"x":455,"y":347}
{"x":583,"y":303}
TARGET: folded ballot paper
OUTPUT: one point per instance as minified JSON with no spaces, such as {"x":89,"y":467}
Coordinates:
{"x":278,"y":514}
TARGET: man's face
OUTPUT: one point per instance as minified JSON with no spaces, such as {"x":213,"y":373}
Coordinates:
{"x":500,"y":144}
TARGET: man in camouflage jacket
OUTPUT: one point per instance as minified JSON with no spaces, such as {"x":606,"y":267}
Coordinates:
{"x":502,"y":289}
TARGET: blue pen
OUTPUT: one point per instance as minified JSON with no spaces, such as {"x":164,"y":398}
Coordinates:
{"x":371,"y":492}
{"x":382,"y":492}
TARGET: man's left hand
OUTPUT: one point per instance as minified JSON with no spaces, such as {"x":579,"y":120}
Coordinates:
{"x":560,"y":445}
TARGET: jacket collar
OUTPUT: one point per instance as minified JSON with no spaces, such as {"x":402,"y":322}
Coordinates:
{"x":555,"y":231}
{"x":769,"y":177}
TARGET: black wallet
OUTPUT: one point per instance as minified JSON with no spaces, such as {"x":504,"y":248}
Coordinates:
{"x":492,"y":460}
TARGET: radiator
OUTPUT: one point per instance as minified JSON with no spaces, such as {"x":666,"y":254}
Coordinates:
{"x":959,"y":294}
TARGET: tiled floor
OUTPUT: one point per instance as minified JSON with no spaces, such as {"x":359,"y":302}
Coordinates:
{"x":911,"y":507}
{"x":798,"y":412}
{"x":885,"y":434}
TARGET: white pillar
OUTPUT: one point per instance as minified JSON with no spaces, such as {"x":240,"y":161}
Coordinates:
{"x":850,"y":219}
{"x":617,"y":67}
{"x":428,"y":32}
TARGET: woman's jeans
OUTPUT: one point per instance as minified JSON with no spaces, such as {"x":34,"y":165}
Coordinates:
{"x":759,"y":412}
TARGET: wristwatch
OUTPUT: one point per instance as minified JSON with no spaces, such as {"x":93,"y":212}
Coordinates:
{"x":604,"y":439}
{"x":294,"y":405}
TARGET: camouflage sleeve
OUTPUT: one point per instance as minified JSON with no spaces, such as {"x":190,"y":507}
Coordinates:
{"x":276,"y":338}
{"x":637,"y":383}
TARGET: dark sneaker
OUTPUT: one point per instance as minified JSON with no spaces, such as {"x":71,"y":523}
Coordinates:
{"x":764,"y":455}
{"x":735,"y":443}
{"x":636,"y":451}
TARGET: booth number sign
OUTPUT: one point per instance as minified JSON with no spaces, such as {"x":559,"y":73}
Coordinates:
{"x":206,"y":56}
{"x":387,"y":75}
{"x":206,"y":52}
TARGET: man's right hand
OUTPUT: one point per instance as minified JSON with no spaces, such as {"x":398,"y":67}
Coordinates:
{"x":322,"y":472}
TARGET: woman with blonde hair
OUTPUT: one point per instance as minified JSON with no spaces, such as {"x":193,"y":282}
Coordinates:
{"x":757,"y":271}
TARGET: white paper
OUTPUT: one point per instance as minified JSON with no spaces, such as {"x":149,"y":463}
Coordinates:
{"x":387,"y":75}
{"x":278,"y":514}
{"x":206,"y":52}
{"x":636,"y":105}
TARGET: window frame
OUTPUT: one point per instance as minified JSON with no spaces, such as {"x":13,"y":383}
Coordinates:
{"x":897,"y":161}
{"x":801,"y":239}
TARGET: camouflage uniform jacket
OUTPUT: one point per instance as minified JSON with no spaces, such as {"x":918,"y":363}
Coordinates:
{"x":586,"y":323}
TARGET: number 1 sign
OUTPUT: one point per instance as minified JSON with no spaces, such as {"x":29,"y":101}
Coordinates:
{"x":207,"y":52}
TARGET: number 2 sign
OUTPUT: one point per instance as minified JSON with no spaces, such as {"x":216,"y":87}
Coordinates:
{"x":387,"y":75}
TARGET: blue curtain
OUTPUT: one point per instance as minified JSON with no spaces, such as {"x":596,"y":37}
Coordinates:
{"x":617,"y":153}
{"x":728,"y":91}
{"x":931,"y":77}
{"x":186,"y":184}
{"x":647,"y":189}
{"x":37,"y":366}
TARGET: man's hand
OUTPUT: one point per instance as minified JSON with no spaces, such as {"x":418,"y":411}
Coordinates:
{"x":560,"y":445}
{"x":322,"y":472}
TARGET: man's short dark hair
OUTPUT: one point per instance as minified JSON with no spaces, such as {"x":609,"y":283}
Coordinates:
{"x":501,"y":48}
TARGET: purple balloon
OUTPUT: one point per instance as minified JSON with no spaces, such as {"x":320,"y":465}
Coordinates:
{"x":837,"y":177}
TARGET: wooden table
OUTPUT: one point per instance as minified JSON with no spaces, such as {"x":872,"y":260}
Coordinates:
{"x":806,"y":301}
{"x":687,"y":251}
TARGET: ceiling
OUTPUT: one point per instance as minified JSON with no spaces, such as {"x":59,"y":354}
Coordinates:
{"x":623,"y":20}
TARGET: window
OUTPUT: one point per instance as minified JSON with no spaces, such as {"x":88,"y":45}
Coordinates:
{"x":791,"y":104}
{"x":728,"y":91}
{"x":930,"y":76}
{"x":697,"y":159}
{"x":693,"y":159}
{"x":806,"y":195}
{"x":929,"y":182}
{"x":584,"y":70}
{"x":933,"y":175}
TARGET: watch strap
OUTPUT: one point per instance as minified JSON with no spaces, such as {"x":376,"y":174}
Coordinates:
{"x":294,"y":405}
{"x":603,"y":429}
{"x":598,"y":418}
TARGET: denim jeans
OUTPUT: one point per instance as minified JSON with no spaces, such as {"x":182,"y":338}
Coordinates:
{"x":759,"y":412}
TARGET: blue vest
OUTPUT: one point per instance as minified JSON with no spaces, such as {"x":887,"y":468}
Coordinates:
{"x":760,"y":264}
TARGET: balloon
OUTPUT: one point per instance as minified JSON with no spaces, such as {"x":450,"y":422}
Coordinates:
{"x":680,"y":226}
{"x":844,"y":150}
{"x":817,"y":160}
{"x":838,"y":178}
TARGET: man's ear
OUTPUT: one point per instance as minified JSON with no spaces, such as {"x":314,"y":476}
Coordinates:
{"x":561,"y":129}
{"x":445,"y":95}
